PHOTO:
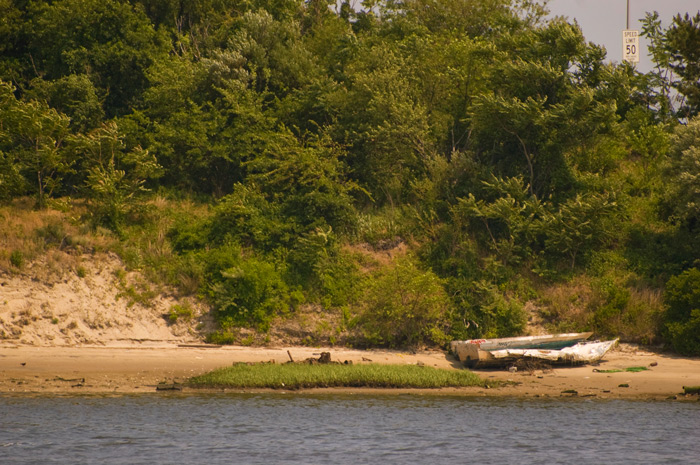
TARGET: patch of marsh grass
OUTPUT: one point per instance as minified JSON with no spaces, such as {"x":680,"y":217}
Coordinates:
{"x":627,"y":370}
{"x":298,"y":376}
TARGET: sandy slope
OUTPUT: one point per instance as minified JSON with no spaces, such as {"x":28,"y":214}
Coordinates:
{"x":59,"y":307}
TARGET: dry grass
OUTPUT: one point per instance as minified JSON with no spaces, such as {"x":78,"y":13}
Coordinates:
{"x":642,"y":316}
{"x":567,"y":307}
{"x":581,"y":305}
{"x":371,"y":258}
{"x":310,"y":325}
{"x":27,"y":233}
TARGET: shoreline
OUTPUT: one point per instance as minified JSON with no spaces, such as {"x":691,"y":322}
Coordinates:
{"x":138,"y":369}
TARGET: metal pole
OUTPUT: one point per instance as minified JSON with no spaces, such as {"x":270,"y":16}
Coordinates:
{"x":628,"y":14}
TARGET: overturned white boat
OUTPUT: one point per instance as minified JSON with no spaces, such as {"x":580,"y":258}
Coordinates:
{"x":546,"y":341}
{"x":561,"y":349}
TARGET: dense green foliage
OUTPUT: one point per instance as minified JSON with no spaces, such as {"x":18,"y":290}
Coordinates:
{"x":427,"y":170}
{"x":683,"y":297}
{"x":299,"y":376}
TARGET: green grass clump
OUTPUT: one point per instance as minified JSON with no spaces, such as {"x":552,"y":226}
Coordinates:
{"x":180,"y":313}
{"x":298,"y":376}
{"x":628,"y":370}
{"x":17,"y":258}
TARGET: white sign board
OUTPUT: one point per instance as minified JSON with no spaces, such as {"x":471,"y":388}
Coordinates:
{"x":630,"y":46}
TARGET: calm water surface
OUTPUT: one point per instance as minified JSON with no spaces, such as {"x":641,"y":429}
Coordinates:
{"x":343,"y":429}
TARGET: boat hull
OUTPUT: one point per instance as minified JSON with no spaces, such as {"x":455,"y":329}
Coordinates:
{"x":548,"y":341}
{"x":579,"y":354}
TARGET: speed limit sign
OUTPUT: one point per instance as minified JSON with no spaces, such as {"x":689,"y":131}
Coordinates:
{"x":630,"y":46}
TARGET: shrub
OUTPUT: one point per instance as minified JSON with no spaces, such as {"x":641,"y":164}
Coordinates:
{"x":53,"y":234}
{"x":17,"y":259}
{"x":221,"y":337}
{"x":180,"y":312}
{"x":247,"y":217}
{"x":308,"y":180}
{"x":251,"y":293}
{"x":496,"y":314}
{"x":188,"y":235}
{"x":12,"y":183}
{"x":683,"y":314}
{"x":404,"y":306}
{"x":630,"y":312}
{"x":317,"y":263}
{"x":613,"y":299}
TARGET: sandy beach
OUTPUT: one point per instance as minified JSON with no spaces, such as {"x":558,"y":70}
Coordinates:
{"x":67,"y":334}
{"x":138,"y":369}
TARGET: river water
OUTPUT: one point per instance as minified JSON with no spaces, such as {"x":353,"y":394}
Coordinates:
{"x":282,"y":428}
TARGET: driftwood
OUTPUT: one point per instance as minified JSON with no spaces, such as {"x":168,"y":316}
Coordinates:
{"x":324,"y":358}
{"x":168,"y":387}
{"x":201,"y":346}
{"x":69,"y":380}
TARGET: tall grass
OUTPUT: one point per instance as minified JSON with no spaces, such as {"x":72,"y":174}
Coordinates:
{"x":298,"y":376}
{"x":27,"y":234}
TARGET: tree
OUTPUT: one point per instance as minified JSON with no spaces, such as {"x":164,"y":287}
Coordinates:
{"x":73,"y":95}
{"x":536,"y":109}
{"x":33,"y":136}
{"x":272,"y":53}
{"x":683,"y":44}
{"x":114,"y":178}
{"x":307,"y":179}
{"x":107,"y":40}
{"x":676,"y":54}
{"x":662,"y":76}
{"x":383,"y":123}
{"x":202,"y":120}
{"x":682,"y":172}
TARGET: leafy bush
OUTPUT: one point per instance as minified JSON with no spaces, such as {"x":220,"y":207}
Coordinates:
{"x":613,"y":298}
{"x":188,"y":235}
{"x":683,"y":315}
{"x":178,"y":312}
{"x":317,"y":264}
{"x":518,"y":226}
{"x":247,"y":217}
{"x":223,"y":337}
{"x":404,"y":306}
{"x":251,"y":293}
{"x":491,"y":311}
{"x":579,"y":224}
{"x":53,"y":233}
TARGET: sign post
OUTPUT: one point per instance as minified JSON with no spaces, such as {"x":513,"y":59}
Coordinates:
{"x":630,"y":46}
{"x":630,"y":41}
